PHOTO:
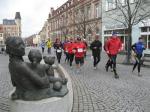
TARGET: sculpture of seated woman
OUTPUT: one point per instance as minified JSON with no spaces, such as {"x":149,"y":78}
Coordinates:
{"x":30,"y":83}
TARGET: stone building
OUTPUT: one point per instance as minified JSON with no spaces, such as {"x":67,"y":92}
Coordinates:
{"x":76,"y":18}
{"x":44,"y":33}
{"x":12,"y":27}
{"x":1,"y":35}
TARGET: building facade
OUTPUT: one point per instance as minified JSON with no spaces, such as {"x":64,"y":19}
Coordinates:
{"x":1,"y":35}
{"x":113,"y":21}
{"x":44,"y":33}
{"x":75,"y":18}
{"x":12,"y":27}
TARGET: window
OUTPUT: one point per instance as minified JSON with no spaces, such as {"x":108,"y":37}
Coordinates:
{"x":110,"y":4}
{"x":97,"y":10}
{"x":149,"y":42}
{"x":82,"y":11}
{"x":144,"y":29}
{"x":89,"y":31}
{"x":88,"y":12}
{"x":144,"y":37}
{"x":146,"y":40}
{"x":123,"y":2}
{"x":148,"y":29}
{"x":132,"y":1}
{"x":97,"y":31}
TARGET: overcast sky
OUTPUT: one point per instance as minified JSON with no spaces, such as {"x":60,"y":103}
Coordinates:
{"x":33,"y":13}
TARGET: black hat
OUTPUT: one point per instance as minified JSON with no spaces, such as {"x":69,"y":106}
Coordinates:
{"x":79,"y":39}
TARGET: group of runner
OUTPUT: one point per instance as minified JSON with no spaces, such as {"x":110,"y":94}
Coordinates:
{"x":75,"y":49}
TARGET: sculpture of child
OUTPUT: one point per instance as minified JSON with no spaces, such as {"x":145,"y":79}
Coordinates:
{"x":35,"y":58}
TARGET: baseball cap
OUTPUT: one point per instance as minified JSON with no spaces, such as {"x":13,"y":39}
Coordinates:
{"x":114,"y":33}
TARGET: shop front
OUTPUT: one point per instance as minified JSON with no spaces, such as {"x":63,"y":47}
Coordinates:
{"x":122,"y":34}
{"x":145,"y":34}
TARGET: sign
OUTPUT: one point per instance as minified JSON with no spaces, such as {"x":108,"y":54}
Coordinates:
{"x":119,"y":26}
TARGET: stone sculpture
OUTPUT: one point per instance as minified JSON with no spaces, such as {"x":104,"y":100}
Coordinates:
{"x":33,"y":81}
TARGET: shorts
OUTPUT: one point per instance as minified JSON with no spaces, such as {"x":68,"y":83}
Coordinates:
{"x":79,"y":60}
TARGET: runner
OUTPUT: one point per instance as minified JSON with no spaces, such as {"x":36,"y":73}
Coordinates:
{"x":43,"y":46}
{"x":84,"y":41}
{"x":49,"y":45}
{"x":113,"y":46}
{"x":96,"y":47}
{"x":58,"y":47}
{"x":138,"y":50}
{"x":65,"y":46}
{"x":79,"y":49}
{"x":109,"y":62}
{"x":70,"y":47}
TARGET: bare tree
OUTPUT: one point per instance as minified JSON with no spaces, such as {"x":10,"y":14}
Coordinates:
{"x":129,"y":14}
{"x":83,"y":23}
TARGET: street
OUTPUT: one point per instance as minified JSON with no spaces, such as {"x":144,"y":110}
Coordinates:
{"x":95,"y":90}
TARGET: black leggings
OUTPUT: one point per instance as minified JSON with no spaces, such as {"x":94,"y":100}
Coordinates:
{"x":58,"y":56}
{"x":96,"y":59}
{"x":71,"y":57}
{"x":67,"y":56}
{"x":43,"y":50}
{"x":138,"y":62}
{"x":109,"y":62}
{"x":112,"y":62}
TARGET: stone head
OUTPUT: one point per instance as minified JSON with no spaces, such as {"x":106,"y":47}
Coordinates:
{"x":35,"y":56}
{"x":15,"y":46}
{"x":49,"y":60}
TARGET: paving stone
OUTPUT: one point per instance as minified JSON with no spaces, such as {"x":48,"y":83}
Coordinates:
{"x":130,"y":93}
{"x":96,"y":90}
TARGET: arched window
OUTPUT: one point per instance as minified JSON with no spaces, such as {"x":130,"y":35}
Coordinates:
{"x":89,"y":31}
{"x":97,"y":31}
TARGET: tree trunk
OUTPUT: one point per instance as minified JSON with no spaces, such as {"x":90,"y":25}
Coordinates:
{"x":129,"y":44}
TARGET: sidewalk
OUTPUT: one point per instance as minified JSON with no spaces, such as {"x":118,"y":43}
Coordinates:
{"x":95,"y":90}
{"x":5,"y":83}
{"x":98,"y":90}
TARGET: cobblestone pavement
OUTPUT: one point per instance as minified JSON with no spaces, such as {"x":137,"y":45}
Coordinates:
{"x":98,"y":91}
{"x":95,"y":90}
{"x":5,"y":84}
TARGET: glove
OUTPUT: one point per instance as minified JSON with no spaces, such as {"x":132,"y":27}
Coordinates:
{"x":119,"y":50}
{"x":107,"y":52}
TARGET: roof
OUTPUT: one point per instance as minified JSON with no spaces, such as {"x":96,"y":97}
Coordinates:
{"x":17,"y":16}
{"x":9,"y":22}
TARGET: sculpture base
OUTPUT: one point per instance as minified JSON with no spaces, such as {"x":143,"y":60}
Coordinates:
{"x":46,"y":105}
{"x":54,"y":104}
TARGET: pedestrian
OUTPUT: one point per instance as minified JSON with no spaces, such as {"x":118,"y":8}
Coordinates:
{"x":58,"y":47}
{"x":84,"y":41}
{"x":96,"y":47}
{"x":109,"y":62}
{"x":70,"y":47}
{"x":49,"y":45}
{"x":2,"y":50}
{"x":65,"y":48}
{"x":138,"y":50}
{"x":79,"y":50}
{"x":113,"y":47}
{"x":43,"y":46}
